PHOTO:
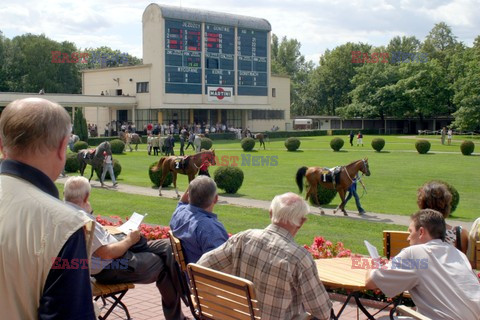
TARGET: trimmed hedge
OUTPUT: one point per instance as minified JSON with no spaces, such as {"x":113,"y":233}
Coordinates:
{"x":378,"y":144}
{"x":71,"y":164}
{"x":117,"y":169}
{"x":422,"y":146}
{"x":229,"y":179}
{"x":248,"y":144}
{"x":336,"y":144}
{"x":325,"y":196}
{"x":117,"y":146}
{"x":80,"y":145}
{"x":467,"y":147}
{"x":292,"y":144}
{"x":206,"y":144}
{"x":155,"y":176}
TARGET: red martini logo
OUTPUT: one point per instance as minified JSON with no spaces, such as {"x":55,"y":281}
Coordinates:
{"x":220,"y":93}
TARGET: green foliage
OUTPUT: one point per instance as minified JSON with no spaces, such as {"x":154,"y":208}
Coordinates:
{"x":80,"y":125}
{"x":292,"y":144}
{"x":337,"y":143}
{"x":71,"y":164}
{"x":378,"y":144}
{"x":206,"y":144}
{"x":229,"y":179}
{"x":106,"y":57}
{"x":467,"y":147}
{"x":325,"y":196}
{"x":117,"y":169}
{"x":79,"y":145}
{"x":422,"y":146}
{"x":248,"y":144}
{"x":117,"y":146}
{"x":157,"y":175}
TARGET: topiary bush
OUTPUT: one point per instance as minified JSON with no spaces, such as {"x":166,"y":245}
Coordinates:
{"x":117,"y":169}
{"x":325,"y":196}
{"x":117,"y":146}
{"x":229,"y":179}
{"x":336,"y":144}
{"x":80,"y":145}
{"x":292,"y":144}
{"x":248,"y":144}
{"x":71,"y":164}
{"x":467,"y":147}
{"x":422,"y":146}
{"x":378,"y":144}
{"x":155,"y":176}
{"x":453,"y":191}
{"x":206,"y":143}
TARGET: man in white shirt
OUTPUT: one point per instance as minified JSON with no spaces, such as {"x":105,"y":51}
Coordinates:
{"x":437,"y":275}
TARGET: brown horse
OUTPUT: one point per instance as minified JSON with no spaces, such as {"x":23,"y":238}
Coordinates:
{"x":315,"y":176}
{"x":188,"y":165}
{"x":261,"y":138}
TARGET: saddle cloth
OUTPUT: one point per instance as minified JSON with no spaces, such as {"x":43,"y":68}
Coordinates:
{"x":331,"y":174}
{"x":181,"y":163}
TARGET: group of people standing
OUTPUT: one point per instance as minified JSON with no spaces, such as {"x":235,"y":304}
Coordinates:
{"x":448,"y":133}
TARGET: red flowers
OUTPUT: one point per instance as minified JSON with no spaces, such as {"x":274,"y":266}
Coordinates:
{"x":322,"y":248}
{"x":150,"y":232}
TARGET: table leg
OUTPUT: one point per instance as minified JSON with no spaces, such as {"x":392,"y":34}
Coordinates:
{"x":336,"y":317}
{"x":360,"y":305}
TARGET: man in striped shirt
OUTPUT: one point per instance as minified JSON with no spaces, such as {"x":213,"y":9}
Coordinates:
{"x":284,"y":274}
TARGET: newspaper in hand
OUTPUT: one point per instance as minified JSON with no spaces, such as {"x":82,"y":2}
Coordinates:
{"x":132,"y":224}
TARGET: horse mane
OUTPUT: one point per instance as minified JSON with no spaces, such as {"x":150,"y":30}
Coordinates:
{"x":354,"y":162}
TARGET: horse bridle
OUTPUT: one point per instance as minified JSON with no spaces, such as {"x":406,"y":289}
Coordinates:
{"x":348,"y":175}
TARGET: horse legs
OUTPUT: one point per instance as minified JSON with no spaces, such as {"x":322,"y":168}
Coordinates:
{"x":175,"y":183}
{"x":91,"y":175}
{"x":341,"y":206}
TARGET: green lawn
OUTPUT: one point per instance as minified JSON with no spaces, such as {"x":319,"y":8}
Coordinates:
{"x":397,"y":171}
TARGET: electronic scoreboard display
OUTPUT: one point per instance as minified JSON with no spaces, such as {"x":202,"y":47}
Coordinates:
{"x":183,"y":57}
{"x":252,"y":62}
{"x":219,"y":56}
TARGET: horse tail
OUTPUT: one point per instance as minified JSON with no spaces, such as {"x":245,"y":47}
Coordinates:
{"x":300,"y":174}
{"x":158,"y":165}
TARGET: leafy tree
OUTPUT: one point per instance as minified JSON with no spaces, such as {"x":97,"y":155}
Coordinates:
{"x":403,"y":44}
{"x":106,"y":57}
{"x":80,"y":125}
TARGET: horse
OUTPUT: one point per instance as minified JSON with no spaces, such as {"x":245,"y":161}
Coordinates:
{"x":315,"y":176}
{"x":134,"y":139}
{"x":261,"y":138}
{"x":93,"y":157}
{"x":188,"y":165}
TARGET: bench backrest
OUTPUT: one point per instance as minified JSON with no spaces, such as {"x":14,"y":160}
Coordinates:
{"x":394,"y":242}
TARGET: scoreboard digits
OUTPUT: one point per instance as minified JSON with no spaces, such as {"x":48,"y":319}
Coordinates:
{"x":252,"y":62}
{"x":219,"y":56}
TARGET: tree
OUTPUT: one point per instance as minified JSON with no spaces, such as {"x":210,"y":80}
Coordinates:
{"x":106,"y":57}
{"x":80,"y":125}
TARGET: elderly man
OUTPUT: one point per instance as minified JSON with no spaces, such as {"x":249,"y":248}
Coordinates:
{"x":437,"y":275}
{"x":137,"y":260}
{"x":284,"y":273}
{"x":37,"y":228}
{"x":194,"y":222}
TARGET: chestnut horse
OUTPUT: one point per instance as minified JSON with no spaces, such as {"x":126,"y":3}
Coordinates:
{"x":261,"y":138}
{"x":347,"y":173}
{"x":188,"y":165}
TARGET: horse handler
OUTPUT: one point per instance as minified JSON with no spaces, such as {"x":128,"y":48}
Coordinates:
{"x":108,"y":165}
{"x":352,"y":191}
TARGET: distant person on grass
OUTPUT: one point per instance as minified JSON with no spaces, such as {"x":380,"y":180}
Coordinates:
{"x":359,"y":138}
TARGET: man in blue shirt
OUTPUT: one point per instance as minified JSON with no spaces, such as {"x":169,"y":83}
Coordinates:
{"x":194,"y":222}
{"x":352,"y":191}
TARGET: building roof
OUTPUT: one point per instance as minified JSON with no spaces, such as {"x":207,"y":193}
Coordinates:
{"x":227,"y":19}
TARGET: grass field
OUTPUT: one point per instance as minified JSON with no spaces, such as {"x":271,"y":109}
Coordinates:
{"x":397,"y":172}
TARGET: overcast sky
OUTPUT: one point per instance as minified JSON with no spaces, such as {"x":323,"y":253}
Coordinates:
{"x":317,"y":24}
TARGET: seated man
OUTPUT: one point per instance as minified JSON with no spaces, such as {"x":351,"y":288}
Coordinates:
{"x":140,"y":262}
{"x":194,"y":222}
{"x":437,"y":275}
{"x":284,"y":273}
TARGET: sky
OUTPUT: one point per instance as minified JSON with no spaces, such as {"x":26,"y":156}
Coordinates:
{"x":317,"y":24}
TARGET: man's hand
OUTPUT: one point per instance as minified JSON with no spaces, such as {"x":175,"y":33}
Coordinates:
{"x":185,"y":198}
{"x":133,"y":237}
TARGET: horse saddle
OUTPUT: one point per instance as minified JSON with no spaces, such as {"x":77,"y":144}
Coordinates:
{"x":331,"y":174}
{"x":181,"y":163}
{"x":89,"y":154}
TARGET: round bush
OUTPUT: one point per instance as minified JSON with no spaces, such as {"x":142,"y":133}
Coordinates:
{"x":422,"y":146}
{"x":80,"y":145}
{"x":467,"y":147}
{"x":72,"y":165}
{"x":325,"y":196}
{"x":378,"y":144}
{"x":117,"y":146}
{"x":229,"y":179}
{"x":248,"y":144}
{"x":336,"y":144}
{"x":206,"y":143}
{"x":155,"y":176}
{"x":117,"y":169}
{"x":292,"y":144}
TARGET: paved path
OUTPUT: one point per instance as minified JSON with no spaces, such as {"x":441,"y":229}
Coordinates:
{"x":262,"y":204}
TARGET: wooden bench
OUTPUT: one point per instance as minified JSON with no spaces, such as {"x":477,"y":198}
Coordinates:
{"x":394,"y":242}
{"x":113,"y":291}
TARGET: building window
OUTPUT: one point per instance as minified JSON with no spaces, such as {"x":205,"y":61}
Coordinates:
{"x":119,"y":92}
{"x":233,"y":118}
{"x":142,"y":87}
{"x":274,"y":92}
{"x":266,"y":114}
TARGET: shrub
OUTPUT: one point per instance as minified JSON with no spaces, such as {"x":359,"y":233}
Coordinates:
{"x":467,"y":147}
{"x":378,"y":144}
{"x":72,"y":165}
{"x":117,"y":146}
{"x":229,"y":179}
{"x":325,"y":196}
{"x":292,"y":144}
{"x":80,"y":145}
{"x":336,"y":144}
{"x":117,"y":169}
{"x":422,"y":146}
{"x":248,"y":144}
{"x":453,"y":191}
{"x":206,"y":144}
{"x":155,"y":176}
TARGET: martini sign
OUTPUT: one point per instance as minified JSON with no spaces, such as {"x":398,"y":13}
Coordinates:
{"x":220,"y":94}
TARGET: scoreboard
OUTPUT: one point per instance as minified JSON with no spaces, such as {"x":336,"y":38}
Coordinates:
{"x":183,"y":58}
